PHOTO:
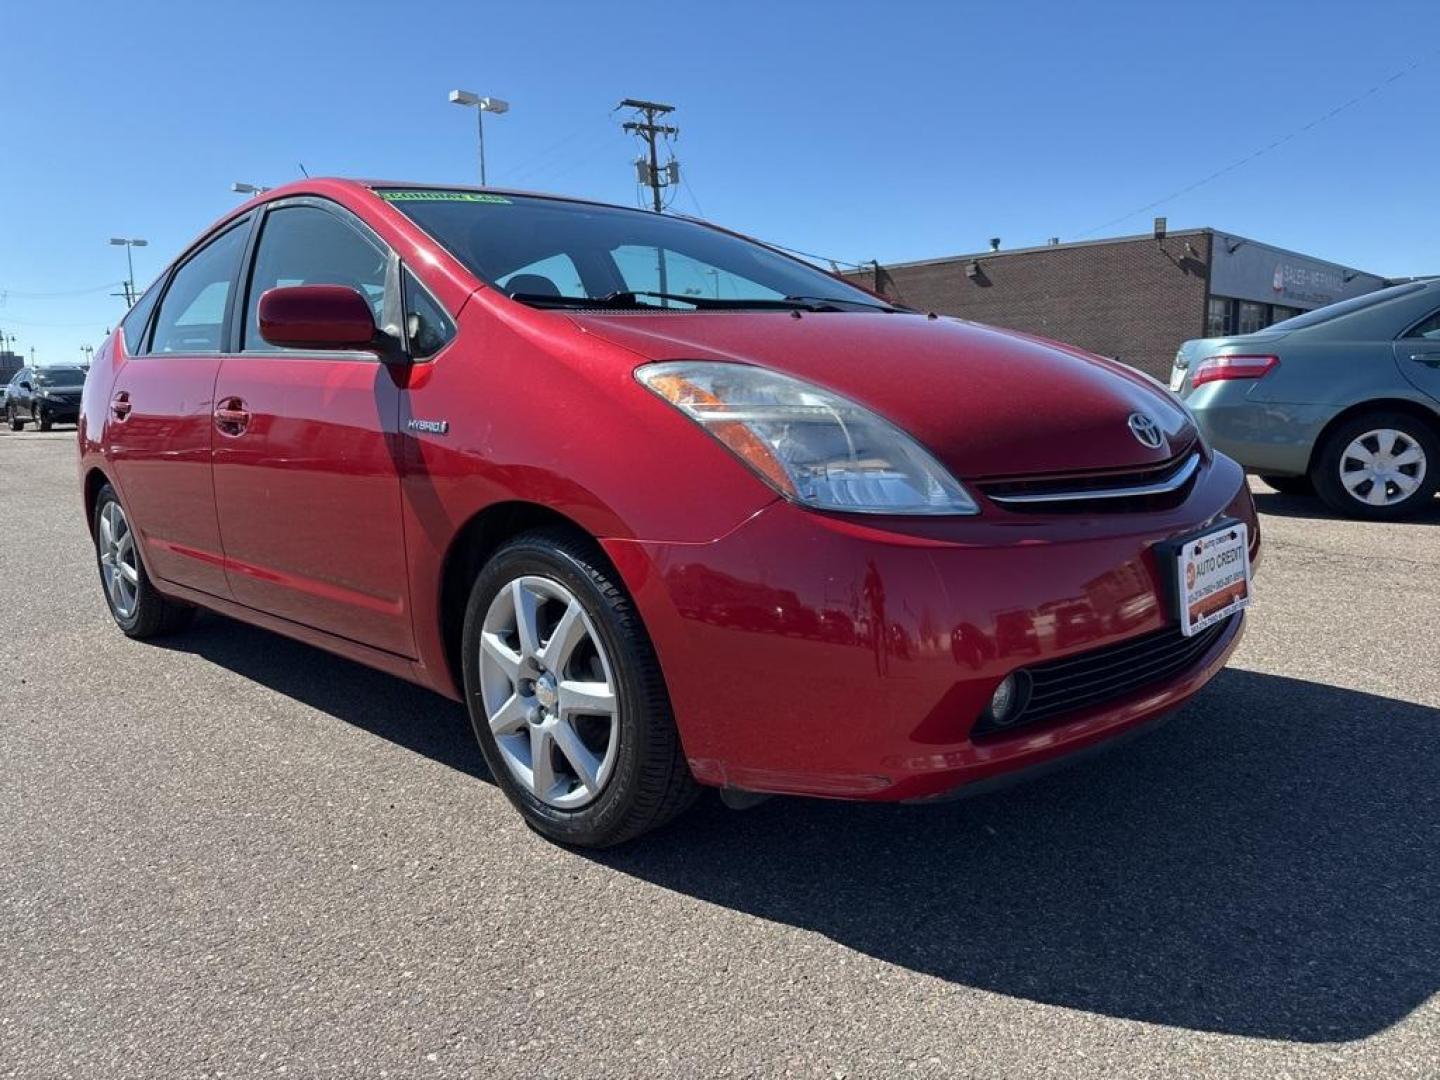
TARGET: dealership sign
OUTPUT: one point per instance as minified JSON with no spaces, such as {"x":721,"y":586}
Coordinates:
{"x":1248,"y":270}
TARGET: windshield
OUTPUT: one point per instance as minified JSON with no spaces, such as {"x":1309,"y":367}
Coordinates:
{"x":1345,"y":307}
{"x":553,"y":253}
{"x":59,"y":376}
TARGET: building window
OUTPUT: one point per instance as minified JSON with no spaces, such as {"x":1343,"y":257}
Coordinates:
{"x":1279,"y":313}
{"x":1220,"y":317}
{"x":1252,"y":317}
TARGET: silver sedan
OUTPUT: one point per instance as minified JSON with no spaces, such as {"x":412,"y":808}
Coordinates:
{"x":1343,"y":401}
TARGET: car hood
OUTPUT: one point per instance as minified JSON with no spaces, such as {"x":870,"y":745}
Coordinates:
{"x":986,"y":402}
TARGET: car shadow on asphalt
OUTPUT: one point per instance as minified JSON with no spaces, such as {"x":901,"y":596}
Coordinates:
{"x":407,"y":715}
{"x":1311,"y":508}
{"x":1266,"y":864}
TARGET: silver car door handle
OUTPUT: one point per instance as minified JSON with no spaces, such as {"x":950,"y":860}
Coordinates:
{"x":1429,"y":359}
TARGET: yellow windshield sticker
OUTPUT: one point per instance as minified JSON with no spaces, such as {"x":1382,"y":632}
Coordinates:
{"x":442,"y":196}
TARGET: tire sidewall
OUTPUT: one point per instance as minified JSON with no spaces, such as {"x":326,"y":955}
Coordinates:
{"x":1326,"y":475}
{"x":142,"y":593}
{"x":599,"y":818}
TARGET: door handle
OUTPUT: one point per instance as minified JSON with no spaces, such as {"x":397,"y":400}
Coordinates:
{"x":231,"y":417}
{"x":120,"y":405}
{"x":1429,"y":359}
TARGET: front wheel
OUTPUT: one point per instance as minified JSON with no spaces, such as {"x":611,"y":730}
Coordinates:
{"x":566,"y":696}
{"x":138,"y":609}
{"x":1381,"y":465}
{"x":42,"y":419}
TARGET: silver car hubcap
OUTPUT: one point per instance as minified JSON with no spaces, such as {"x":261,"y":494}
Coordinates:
{"x":1382,"y":467}
{"x":548,"y":692}
{"x":119,"y":565}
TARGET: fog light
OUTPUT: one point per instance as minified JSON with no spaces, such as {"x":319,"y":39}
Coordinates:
{"x":1003,"y":700}
{"x":1008,"y":703}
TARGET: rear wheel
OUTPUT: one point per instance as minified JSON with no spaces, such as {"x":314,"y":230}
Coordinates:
{"x":1381,"y":465}
{"x":138,"y":609}
{"x":1290,"y":485}
{"x":566,"y":696}
{"x":16,"y":424}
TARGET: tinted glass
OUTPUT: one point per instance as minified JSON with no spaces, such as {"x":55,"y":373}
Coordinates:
{"x":304,"y":245}
{"x":59,"y":376}
{"x":133,"y":325}
{"x":1346,"y":307}
{"x":191,"y":318}
{"x":1429,"y":329}
{"x":567,"y":249}
{"x":427,"y":326}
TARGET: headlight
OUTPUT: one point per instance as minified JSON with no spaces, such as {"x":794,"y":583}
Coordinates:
{"x":811,"y":445}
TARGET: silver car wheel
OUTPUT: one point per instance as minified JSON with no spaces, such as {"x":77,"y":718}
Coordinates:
{"x":1382,"y":467}
{"x":119,"y":563}
{"x":549,"y":692}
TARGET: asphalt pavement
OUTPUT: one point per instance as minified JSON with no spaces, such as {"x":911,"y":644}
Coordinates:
{"x":229,"y":854}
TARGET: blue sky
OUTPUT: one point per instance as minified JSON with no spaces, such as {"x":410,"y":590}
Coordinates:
{"x":891,"y":131}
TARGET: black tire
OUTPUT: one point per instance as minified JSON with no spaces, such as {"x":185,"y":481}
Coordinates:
{"x":1290,"y":485}
{"x":42,"y":418}
{"x":650,"y":782}
{"x":1325,"y":473}
{"x":16,"y":424}
{"x":154,"y":615}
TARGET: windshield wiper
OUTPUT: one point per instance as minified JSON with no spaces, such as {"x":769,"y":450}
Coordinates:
{"x":874,"y":305}
{"x":629,"y":299}
{"x":715,"y":303}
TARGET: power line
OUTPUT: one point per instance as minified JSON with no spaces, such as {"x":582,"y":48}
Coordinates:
{"x":538,"y":163}
{"x":1263,"y":150}
{"x":6,"y":294}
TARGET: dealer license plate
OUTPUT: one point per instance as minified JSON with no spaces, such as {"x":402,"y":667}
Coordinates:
{"x":1213,"y":576}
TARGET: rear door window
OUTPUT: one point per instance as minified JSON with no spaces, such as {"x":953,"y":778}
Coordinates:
{"x":191,"y":318}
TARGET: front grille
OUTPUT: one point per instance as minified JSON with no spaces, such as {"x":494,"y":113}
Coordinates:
{"x":1155,"y":487}
{"x":1093,"y":678}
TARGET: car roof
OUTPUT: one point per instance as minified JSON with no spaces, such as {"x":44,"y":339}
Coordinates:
{"x":311,"y":185}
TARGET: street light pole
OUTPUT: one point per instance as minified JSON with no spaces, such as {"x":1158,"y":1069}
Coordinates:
{"x":481,"y":105}
{"x":128,"y":245}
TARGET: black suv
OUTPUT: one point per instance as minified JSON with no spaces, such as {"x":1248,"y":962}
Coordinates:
{"x":44,"y":396}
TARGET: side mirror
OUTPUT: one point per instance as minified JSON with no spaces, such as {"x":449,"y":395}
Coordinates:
{"x":317,"y":317}
{"x":26,"y":386}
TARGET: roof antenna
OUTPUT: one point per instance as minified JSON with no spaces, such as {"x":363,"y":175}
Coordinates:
{"x":302,"y":169}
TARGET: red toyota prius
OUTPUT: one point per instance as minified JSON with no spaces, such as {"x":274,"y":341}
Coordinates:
{"x":664,"y":507}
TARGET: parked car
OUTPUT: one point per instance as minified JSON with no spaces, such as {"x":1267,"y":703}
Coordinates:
{"x":664,"y":507}
{"x":44,"y":396}
{"x":1343,"y":401}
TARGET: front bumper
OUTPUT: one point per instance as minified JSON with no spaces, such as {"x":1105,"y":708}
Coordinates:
{"x":835,"y":656}
{"x":62,"y":412}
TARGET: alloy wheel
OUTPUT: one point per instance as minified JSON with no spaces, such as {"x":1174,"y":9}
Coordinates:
{"x":549,"y":692}
{"x":1382,"y":467}
{"x":119,"y":563}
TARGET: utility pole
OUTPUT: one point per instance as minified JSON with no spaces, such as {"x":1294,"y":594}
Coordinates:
{"x":648,"y":130}
{"x":649,"y":173}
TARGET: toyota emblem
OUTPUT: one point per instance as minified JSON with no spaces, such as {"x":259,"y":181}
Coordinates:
{"x":1146,"y":431}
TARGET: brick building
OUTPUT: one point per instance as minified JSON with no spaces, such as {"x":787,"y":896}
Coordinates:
{"x":1133,"y":297}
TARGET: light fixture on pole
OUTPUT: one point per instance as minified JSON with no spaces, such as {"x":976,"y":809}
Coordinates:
{"x":128,"y":244}
{"x":481,"y":105}
{"x":248,"y":189}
